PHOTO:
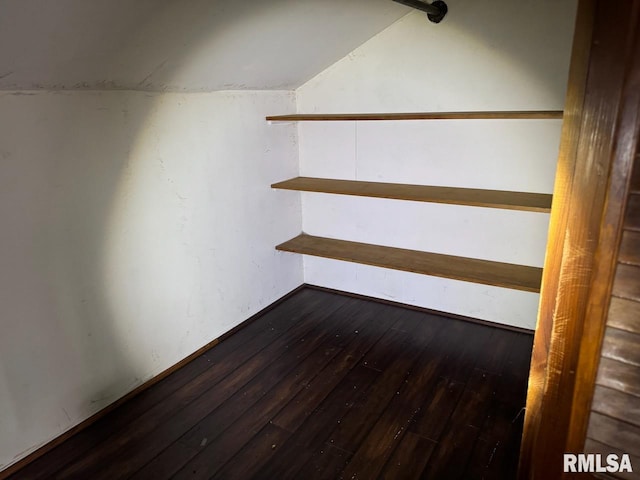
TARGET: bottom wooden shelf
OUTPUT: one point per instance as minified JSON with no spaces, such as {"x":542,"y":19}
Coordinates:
{"x":507,"y":275}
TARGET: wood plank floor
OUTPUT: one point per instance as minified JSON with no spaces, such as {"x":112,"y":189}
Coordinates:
{"x":323,"y":386}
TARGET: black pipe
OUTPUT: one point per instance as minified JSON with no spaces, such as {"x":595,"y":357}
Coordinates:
{"x":435,"y":11}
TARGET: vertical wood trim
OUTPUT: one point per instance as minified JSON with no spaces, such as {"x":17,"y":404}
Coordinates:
{"x":601,"y":40}
{"x":606,"y":254}
{"x":571,"y":126}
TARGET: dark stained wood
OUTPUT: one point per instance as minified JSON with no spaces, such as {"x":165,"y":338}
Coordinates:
{"x":321,"y":419}
{"x":630,"y":248}
{"x":221,"y":419}
{"x":383,"y":437}
{"x":572,"y":304}
{"x":315,"y":432}
{"x":433,"y":418}
{"x":621,"y":346}
{"x":250,"y":459}
{"x":428,"y":311}
{"x":470,"y":354}
{"x":451,"y":456}
{"x":632,"y":218}
{"x":532,"y":202}
{"x":300,"y":362}
{"x":492,"y":456}
{"x":495,"y":358}
{"x":635,"y":178}
{"x":355,"y":425}
{"x":326,"y":464}
{"x":170,"y":419}
{"x":511,"y":390}
{"x":507,"y":275}
{"x":627,"y":282}
{"x":498,"y":115}
{"x":305,"y":402}
{"x":619,"y":375}
{"x":322,"y":386}
{"x":613,"y":432}
{"x":264,"y":394}
{"x":616,"y":404}
{"x":268,"y":407}
{"x":624,"y":315}
{"x":409,"y":458}
{"x":289,"y":459}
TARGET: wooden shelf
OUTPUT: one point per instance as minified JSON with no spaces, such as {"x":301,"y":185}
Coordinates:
{"x":498,"y":115}
{"x":533,"y":202}
{"x":518,"y":277}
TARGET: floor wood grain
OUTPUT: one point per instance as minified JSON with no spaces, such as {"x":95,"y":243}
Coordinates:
{"x":322,"y":386}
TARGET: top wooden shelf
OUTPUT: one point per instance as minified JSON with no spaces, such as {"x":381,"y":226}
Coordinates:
{"x":495,"y":115}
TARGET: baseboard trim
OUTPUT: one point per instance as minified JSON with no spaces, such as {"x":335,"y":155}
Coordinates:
{"x":424,"y":310}
{"x":47,"y":447}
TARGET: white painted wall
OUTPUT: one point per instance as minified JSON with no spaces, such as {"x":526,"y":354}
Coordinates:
{"x":136,"y":228}
{"x":491,"y":55}
{"x":180,"y":45}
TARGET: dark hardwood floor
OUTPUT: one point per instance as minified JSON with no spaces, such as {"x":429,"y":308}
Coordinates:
{"x":323,"y":386}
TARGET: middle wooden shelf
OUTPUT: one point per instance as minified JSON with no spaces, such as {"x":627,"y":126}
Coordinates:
{"x":532,"y":202}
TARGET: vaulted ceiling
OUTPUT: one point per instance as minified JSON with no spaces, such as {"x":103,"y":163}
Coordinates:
{"x":180,"y":45}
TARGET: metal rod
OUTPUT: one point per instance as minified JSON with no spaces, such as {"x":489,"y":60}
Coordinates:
{"x":435,"y":11}
{"x":425,"y":7}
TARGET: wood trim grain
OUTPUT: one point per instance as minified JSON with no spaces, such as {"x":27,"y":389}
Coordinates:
{"x":599,"y":305}
{"x":599,"y":64}
{"x":533,"y":433}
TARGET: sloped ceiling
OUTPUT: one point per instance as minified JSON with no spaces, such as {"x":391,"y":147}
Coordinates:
{"x":180,"y":45}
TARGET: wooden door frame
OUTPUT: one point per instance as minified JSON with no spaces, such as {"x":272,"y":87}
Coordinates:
{"x":598,"y":134}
